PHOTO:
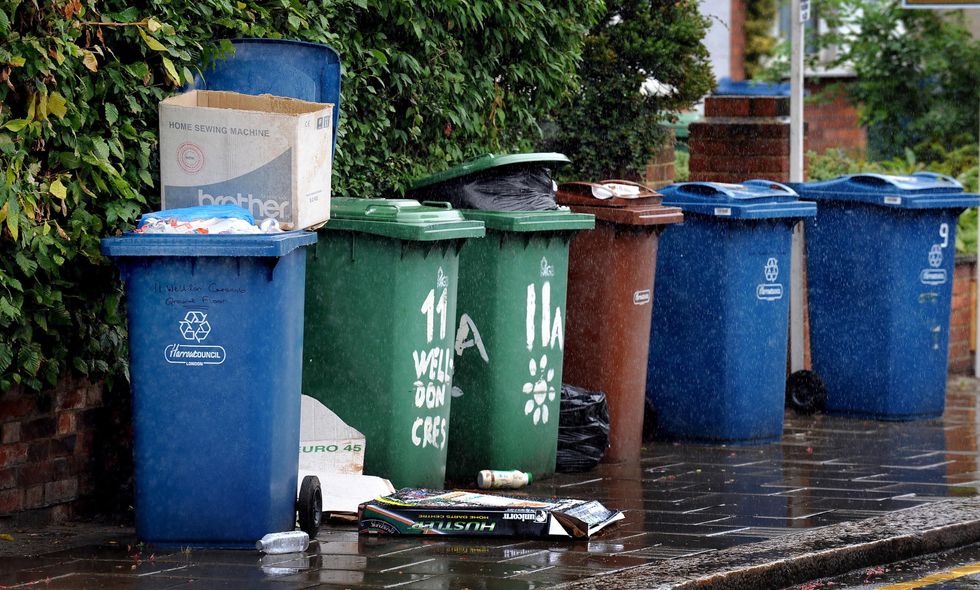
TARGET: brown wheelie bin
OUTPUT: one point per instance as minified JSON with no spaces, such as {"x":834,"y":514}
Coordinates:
{"x":610,"y":296}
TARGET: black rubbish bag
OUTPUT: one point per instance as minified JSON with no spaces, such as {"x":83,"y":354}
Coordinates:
{"x":507,"y":188}
{"x":583,"y":429}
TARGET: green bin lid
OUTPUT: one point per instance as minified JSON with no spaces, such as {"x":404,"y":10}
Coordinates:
{"x":488,"y":161}
{"x":532,"y":221}
{"x":403,"y":219}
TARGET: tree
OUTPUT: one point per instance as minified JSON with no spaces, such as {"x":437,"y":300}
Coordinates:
{"x":642,"y":62}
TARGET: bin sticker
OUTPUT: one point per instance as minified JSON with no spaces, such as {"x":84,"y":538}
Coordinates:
{"x":935,"y":275}
{"x":641,"y":297}
{"x":541,"y":385}
{"x":195,"y":327}
{"x":723,"y":211}
{"x":893,"y":200}
{"x":770,"y":290}
{"x":433,"y":369}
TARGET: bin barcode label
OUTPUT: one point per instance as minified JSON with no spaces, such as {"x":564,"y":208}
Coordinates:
{"x":725,"y":211}
{"x":893,"y":200}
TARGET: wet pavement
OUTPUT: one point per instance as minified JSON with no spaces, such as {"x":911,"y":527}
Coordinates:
{"x":683,"y":503}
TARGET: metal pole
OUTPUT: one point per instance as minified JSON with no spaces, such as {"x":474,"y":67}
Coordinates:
{"x":976,"y":358}
{"x":800,"y":13}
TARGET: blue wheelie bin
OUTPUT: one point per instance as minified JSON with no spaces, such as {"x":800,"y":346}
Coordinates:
{"x":718,"y":340}
{"x":216,"y":343}
{"x":295,"y":69}
{"x":880,"y":274}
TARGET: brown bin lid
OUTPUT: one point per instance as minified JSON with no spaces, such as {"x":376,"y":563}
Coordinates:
{"x":640,"y":208}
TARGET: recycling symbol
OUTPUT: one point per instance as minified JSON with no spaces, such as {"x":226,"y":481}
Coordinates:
{"x":772,"y":270}
{"x":935,"y":256}
{"x":195,"y":326}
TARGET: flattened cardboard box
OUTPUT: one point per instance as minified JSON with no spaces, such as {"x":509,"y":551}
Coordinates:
{"x":424,"y":512}
{"x":268,"y":154}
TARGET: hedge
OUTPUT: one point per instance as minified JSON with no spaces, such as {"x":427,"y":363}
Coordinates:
{"x":425,"y":84}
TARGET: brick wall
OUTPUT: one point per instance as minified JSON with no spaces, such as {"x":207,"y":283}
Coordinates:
{"x":961,"y":321}
{"x":660,"y":169}
{"x":740,"y":138}
{"x":56,"y":455}
{"x":832,"y":119}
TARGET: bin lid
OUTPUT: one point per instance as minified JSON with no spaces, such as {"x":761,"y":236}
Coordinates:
{"x":729,"y":87}
{"x":618,"y":201}
{"x":295,"y":69}
{"x":532,"y":221}
{"x":487,"y":162}
{"x":197,"y":245}
{"x":921,"y":190}
{"x":403,"y":219}
{"x":753,"y":199}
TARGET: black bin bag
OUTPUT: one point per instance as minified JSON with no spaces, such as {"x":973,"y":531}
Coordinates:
{"x":517,"y":182}
{"x":583,"y":429}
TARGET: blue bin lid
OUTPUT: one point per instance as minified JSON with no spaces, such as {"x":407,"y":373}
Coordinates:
{"x":729,"y":87}
{"x":197,"y":245}
{"x":294,"y":69}
{"x":922,"y":190}
{"x":753,"y":199}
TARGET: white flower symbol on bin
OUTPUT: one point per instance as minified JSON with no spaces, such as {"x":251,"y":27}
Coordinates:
{"x":935,"y":256}
{"x":772,"y":270}
{"x":195,"y":326}
{"x":541,"y":390}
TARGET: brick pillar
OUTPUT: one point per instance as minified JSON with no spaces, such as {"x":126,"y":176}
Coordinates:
{"x":736,"y":38}
{"x":962,"y":315}
{"x":740,"y":138}
{"x":660,"y":168}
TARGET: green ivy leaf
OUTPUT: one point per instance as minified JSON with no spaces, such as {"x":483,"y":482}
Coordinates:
{"x":58,"y":190}
{"x":151,"y":42}
{"x":57,"y":105}
{"x":171,"y":71}
{"x":111,"y":113}
{"x":16,"y":125}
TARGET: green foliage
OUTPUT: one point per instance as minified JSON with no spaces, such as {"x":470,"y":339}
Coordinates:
{"x":682,"y":166}
{"x":612,"y":127}
{"x":960,"y":164}
{"x":917,"y":74}
{"x":759,"y":41}
{"x":425,"y":84}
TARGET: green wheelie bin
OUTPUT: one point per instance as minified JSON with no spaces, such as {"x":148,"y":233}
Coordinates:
{"x":381,"y":302}
{"x":509,"y":343}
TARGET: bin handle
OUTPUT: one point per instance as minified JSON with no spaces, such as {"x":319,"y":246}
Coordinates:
{"x":770,"y":184}
{"x":438,"y":204}
{"x":645,"y":191}
{"x":871,"y":179}
{"x":374,"y":209}
{"x":939,"y":177}
{"x":704,"y":189}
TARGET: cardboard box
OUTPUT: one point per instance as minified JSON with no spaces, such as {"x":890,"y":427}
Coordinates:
{"x":424,"y":512}
{"x":268,"y":154}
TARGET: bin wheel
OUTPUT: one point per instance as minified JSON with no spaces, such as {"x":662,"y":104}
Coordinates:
{"x":310,"y":506}
{"x":805,"y":392}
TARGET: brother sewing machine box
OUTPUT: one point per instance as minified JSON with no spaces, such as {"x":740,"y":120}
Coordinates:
{"x":268,"y":154}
